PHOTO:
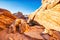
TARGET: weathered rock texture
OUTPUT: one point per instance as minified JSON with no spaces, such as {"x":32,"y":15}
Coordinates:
{"x":6,"y":18}
{"x":48,"y":15}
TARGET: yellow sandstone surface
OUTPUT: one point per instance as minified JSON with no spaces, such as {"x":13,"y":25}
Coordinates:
{"x":48,"y":15}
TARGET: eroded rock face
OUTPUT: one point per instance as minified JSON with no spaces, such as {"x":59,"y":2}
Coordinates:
{"x":19,"y":25}
{"x":6,"y":18}
{"x":48,"y":16}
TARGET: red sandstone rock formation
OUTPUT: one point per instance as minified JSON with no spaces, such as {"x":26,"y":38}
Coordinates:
{"x":6,"y":18}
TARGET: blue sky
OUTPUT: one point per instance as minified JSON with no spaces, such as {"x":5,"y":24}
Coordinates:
{"x":24,"y":6}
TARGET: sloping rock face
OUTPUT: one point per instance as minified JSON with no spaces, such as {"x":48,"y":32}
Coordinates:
{"x":6,"y":18}
{"x":50,"y":18}
{"x":48,"y":15}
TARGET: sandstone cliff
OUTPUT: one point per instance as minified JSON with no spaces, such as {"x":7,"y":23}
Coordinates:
{"x":47,"y":15}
